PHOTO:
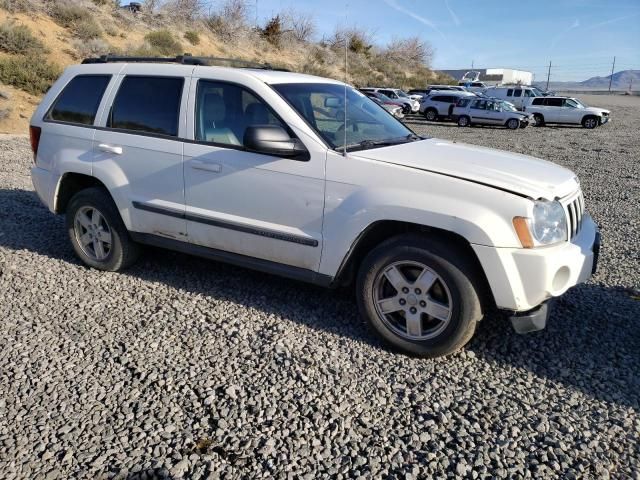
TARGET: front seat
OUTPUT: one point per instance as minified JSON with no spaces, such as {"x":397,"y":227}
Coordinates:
{"x":214,"y":113}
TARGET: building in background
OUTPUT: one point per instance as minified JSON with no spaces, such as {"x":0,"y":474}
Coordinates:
{"x":494,"y":76}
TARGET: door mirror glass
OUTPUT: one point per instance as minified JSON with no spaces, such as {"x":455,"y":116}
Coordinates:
{"x":333,"y":102}
{"x":273,"y":140}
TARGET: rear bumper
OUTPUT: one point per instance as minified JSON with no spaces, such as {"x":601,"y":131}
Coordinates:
{"x":44,"y":183}
{"x":522,"y":279}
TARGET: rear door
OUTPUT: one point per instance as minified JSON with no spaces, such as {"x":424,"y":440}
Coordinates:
{"x":137,"y":150}
{"x":517,"y":98}
{"x":478,"y":111}
{"x":553,"y":110}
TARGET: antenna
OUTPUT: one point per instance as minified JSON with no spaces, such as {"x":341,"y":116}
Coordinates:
{"x":346,"y":77}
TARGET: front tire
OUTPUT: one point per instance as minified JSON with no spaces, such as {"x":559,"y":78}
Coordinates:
{"x":419,"y":295}
{"x":431,"y":114}
{"x":590,"y":122}
{"x":464,"y":121}
{"x":513,"y":124}
{"x":97,"y":233}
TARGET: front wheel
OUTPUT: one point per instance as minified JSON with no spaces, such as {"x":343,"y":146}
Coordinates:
{"x":418,"y":294}
{"x":97,"y":233}
{"x":513,"y":124}
{"x":463,"y":121}
{"x":431,"y":115}
{"x":590,"y":122}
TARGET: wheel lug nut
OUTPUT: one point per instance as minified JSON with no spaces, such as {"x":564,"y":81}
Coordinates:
{"x":423,"y":304}
{"x":405,"y":290}
{"x":418,"y":291}
{"x":413,"y":310}
{"x":402,"y":301}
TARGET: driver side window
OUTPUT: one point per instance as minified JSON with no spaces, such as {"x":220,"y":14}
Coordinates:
{"x":224,"y":112}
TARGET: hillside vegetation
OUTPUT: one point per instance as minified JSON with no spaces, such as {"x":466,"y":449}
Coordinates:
{"x":38,"y":38}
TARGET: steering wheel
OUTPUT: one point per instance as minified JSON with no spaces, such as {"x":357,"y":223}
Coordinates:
{"x":350,"y":123}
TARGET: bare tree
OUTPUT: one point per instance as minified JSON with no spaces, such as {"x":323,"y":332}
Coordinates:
{"x":301,"y":25}
{"x":230,"y":20}
{"x":410,"y":49}
{"x":184,"y":9}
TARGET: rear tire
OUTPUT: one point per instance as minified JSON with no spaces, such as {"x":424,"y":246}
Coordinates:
{"x":433,"y":278}
{"x":97,"y":233}
{"x":539,"y":120}
{"x":431,"y":114}
{"x":590,"y":122}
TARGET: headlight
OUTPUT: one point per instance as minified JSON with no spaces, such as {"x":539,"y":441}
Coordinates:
{"x":547,"y":225}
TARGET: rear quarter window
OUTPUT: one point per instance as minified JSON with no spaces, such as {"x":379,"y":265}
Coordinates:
{"x":147,"y":104}
{"x":538,"y":101}
{"x":79,"y":100}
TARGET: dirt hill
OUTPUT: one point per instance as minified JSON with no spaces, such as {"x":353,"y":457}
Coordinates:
{"x":38,"y":38}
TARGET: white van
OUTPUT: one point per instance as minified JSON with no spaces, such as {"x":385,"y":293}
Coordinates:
{"x":519,"y":96}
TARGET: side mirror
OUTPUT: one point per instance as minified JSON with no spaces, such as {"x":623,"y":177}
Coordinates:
{"x":273,"y":140}
{"x":333,"y":102}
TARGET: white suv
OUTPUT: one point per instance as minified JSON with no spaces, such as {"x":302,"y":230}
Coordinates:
{"x":440,"y":104}
{"x":252,"y":167}
{"x":567,"y":111}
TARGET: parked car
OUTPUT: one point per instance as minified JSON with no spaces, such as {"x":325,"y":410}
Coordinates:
{"x":473,"y":86}
{"x":568,"y":111}
{"x":439,"y":105}
{"x":393,"y":109}
{"x":519,"y":96}
{"x":426,"y":91}
{"x":248,"y":166}
{"x":404,"y":106}
{"x":489,"y":111}
{"x":396,"y":94}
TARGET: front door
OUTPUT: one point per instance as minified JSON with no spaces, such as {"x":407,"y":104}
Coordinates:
{"x":138,"y":150}
{"x":247,"y":203}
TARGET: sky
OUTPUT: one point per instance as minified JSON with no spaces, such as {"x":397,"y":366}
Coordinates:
{"x":579,"y":37}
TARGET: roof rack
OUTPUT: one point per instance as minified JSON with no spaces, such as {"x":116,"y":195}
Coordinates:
{"x":186,"y":59}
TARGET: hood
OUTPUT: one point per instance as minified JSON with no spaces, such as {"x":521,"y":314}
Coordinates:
{"x":597,"y":110}
{"x":513,"y":172}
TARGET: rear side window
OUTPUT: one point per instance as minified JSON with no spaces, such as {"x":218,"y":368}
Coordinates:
{"x":510,"y":92}
{"x":554,"y":102}
{"x":147,"y":104}
{"x":79,"y":100}
{"x":438,"y":98}
{"x":538,"y":101}
{"x":517,"y":93}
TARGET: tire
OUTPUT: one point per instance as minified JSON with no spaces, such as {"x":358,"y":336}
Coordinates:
{"x":431,"y":114}
{"x":406,"y":109}
{"x":464,"y":121}
{"x":513,"y":124}
{"x":453,"y":285}
{"x":539,"y":120}
{"x":116,"y":253}
{"x":590,"y":122}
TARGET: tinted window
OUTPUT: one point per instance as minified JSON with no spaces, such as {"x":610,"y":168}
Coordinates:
{"x":439,"y":98}
{"x":510,"y":92}
{"x":554,"y":102}
{"x":80,"y":99}
{"x":224,"y":111}
{"x":479,"y":105}
{"x":147,"y":104}
{"x":517,"y":93}
{"x":538,"y":101}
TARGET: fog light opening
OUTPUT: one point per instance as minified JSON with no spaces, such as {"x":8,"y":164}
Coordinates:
{"x":560,"y":279}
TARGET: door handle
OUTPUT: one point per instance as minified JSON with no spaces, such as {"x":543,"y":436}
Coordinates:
{"x":207,"y":166}
{"x":110,"y":149}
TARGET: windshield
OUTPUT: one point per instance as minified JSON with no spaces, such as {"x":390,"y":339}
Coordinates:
{"x":508,"y":107}
{"x":537,"y":91}
{"x":402,"y":93}
{"x":575,"y":103}
{"x":367,"y":124}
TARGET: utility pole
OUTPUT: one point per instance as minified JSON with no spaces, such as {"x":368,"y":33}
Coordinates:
{"x":611,"y":76}
{"x":548,"y":75}
{"x":471,"y":64}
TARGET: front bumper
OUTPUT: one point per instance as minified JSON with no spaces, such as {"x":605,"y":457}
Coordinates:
{"x":522,"y":279}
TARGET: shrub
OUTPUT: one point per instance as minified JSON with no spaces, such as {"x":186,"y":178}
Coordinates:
{"x":87,"y":30}
{"x":272,"y":31}
{"x":19,"y":39}
{"x":16,"y":6}
{"x":192,"y":37}
{"x":32,"y":73}
{"x":111,"y":31}
{"x":301,"y":25}
{"x":163,"y":42}
{"x":231,"y":20}
{"x":67,"y":14}
{"x":91,"y":48}
{"x":4,"y":113}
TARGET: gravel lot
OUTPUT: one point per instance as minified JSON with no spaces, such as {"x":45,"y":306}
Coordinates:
{"x":187,"y":368}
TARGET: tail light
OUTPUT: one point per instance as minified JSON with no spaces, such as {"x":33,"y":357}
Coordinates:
{"x":34,"y":136}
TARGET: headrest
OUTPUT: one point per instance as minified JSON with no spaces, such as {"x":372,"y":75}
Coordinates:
{"x":213,"y":109}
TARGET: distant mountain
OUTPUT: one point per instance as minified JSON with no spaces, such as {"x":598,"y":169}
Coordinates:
{"x":620,"y":81}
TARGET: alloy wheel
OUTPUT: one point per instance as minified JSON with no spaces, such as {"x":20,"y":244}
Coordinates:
{"x":412,"y":300}
{"x":93,"y":233}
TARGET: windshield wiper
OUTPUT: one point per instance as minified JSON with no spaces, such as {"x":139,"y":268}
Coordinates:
{"x":366,"y":144}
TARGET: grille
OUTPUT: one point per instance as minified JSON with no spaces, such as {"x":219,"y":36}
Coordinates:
{"x":574,"y":209}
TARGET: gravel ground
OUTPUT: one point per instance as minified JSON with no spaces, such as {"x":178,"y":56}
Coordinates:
{"x":187,"y":368}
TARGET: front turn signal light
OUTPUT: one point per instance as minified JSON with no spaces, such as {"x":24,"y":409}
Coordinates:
{"x":522,"y":230}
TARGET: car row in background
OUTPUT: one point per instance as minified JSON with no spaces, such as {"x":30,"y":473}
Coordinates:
{"x":411,"y":102}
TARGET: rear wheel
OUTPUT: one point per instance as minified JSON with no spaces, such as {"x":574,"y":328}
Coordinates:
{"x":431,"y":114}
{"x":97,"y":233}
{"x":539,"y":119}
{"x":418,"y":294}
{"x":513,"y":124}
{"x":463,"y":121}
{"x":590,"y":122}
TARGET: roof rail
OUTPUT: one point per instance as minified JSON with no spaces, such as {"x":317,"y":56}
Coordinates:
{"x":186,"y":59}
